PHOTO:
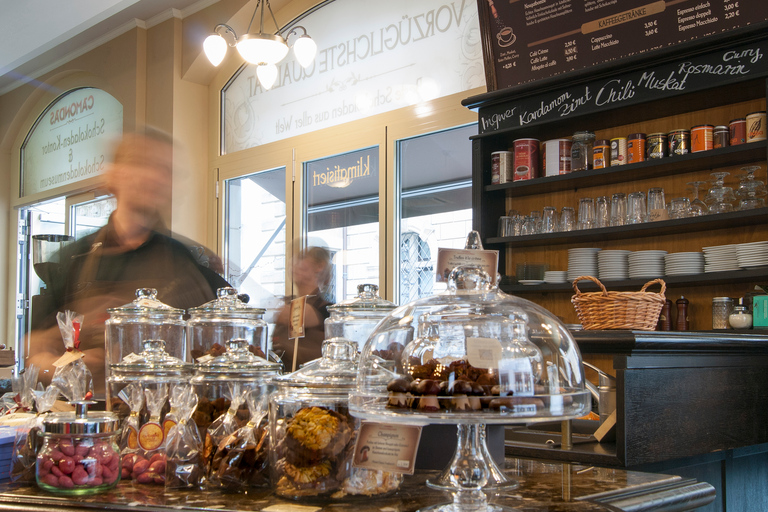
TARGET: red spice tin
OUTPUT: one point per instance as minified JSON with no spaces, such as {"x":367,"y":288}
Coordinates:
{"x":738,"y":131}
{"x":601,"y":154}
{"x":635,"y":148}
{"x":526,"y":159}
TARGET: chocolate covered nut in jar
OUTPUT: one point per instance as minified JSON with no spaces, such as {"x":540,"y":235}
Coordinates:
{"x":214,"y":380}
{"x":146,"y":318}
{"x":313,"y":435}
{"x":227,"y":317}
{"x":79,"y":453}
{"x":356,"y":318}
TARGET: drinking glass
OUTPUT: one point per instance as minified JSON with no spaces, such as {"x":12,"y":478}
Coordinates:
{"x":751,"y":191}
{"x":529,"y":226}
{"x":657,"y":205}
{"x":536,"y":216}
{"x":602,"y":212}
{"x":636,"y":212}
{"x":567,"y":219}
{"x":505,"y":226}
{"x":517,"y":225}
{"x":549,"y":220}
{"x":618,"y":209}
{"x":698,"y":207}
{"x":586,"y":213}
{"x":720,"y":198}
{"x":680,"y":208}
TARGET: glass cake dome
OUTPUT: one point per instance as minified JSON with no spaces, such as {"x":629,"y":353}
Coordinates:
{"x":472,"y":355}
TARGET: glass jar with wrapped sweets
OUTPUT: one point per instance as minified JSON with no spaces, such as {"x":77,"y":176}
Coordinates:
{"x":356,"y":318}
{"x":146,"y":318}
{"x":313,"y":434}
{"x":470,"y":356}
{"x":79,"y":453}
{"x":227,"y":317}
{"x":219,"y":382}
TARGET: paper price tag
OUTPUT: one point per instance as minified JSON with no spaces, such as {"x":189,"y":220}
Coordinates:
{"x":68,"y":357}
{"x":297,"y":317}
{"x":385,"y":447}
{"x":448,"y":259}
{"x":483,"y":352}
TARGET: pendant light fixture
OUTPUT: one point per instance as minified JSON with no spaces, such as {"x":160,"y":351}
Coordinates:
{"x":264,"y":50}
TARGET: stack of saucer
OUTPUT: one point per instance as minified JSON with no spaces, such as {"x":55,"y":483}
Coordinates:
{"x":646,"y":264}
{"x":754,"y":254}
{"x":582,"y":262}
{"x":555,"y":276}
{"x":613,"y":265}
{"x":720,"y":258}
{"x":684,"y":263}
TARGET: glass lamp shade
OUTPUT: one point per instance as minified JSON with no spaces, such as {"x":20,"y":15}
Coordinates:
{"x":215,"y":48}
{"x":262,"y":48}
{"x":305,"y":50}
{"x":267,"y":74}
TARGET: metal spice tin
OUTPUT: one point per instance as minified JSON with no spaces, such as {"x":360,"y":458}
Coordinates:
{"x":618,"y":151}
{"x":556,"y":157}
{"x":679,"y":142}
{"x":657,"y":146}
{"x":721,"y":137}
{"x":501,"y":167}
{"x":526,"y":159}
{"x":601,"y":154}
{"x":701,"y":138}
{"x":738,"y":129}
{"x":636,"y":148}
{"x":756,"y":126}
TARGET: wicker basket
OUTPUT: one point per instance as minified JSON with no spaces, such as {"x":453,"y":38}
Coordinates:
{"x":618,"y":310}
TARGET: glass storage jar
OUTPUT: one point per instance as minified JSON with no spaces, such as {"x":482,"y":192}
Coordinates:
{"x":581,"y":150}
{"x":146,"y":318}
{"x":313,"y":433}
{"x":79,"y":453}
{"x":721,"y":310}
{"x":355,"y":319}
{"x":740,"y":318}
{"x":227,"y":317}
{"x":151,"y":368}
{"x":236,"y":371}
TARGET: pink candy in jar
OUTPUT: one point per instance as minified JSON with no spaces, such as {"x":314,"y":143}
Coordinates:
{"x":79,"y":453}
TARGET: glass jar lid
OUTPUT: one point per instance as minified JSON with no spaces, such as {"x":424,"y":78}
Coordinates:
{"x":80,"y":421}
{"x":335,"y":371}
{"x":237,"y":360}
{"x":146,"y":304}
{"x":366,"y":300}
{"x":227,"y":304}
{"x":152,"y":359}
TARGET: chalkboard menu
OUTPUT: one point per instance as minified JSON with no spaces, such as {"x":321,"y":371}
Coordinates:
{"x":527,"y":40}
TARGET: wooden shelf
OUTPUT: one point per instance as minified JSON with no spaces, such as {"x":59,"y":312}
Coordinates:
{"x":708,"y":279}
{"x":692,"y":162}
{"x":647,"y":229}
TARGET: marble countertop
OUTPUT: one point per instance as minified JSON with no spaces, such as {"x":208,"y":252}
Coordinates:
{"x":554,"y":487}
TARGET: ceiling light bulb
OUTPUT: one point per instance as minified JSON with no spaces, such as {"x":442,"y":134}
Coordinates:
{"x":215,"y":48}
{"x":267,"y":74}
{"x":305,"y":50}
{"x":262,"y":48}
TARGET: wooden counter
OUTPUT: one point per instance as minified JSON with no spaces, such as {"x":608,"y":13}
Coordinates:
{"x":552,"y":487}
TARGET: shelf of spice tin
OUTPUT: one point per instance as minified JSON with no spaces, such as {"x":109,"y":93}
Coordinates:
{"x":632,"y":231}
{"x":691,"y":162}
{"x":706,"y":279}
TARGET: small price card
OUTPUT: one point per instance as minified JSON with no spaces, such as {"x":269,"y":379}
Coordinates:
{"x":386,"y":447}
{"x":448,"y":259}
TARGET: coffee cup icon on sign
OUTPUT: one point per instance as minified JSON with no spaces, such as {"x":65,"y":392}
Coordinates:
{"x":506,"y":37}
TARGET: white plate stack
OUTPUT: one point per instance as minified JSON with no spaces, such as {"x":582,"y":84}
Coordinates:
{"x":582,"y":262}
{"x":646,"y":264}
{"x":720,"y":258}
{"x":613,"y":265}
{"x":555,"y":276}
{"x":684,"y":263}
{"x":754,"y":254}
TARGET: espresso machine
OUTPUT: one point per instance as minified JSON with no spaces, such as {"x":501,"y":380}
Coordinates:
{"x":46,"y":260}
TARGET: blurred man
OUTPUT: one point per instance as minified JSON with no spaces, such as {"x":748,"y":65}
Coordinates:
{"x":134,"y":250}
